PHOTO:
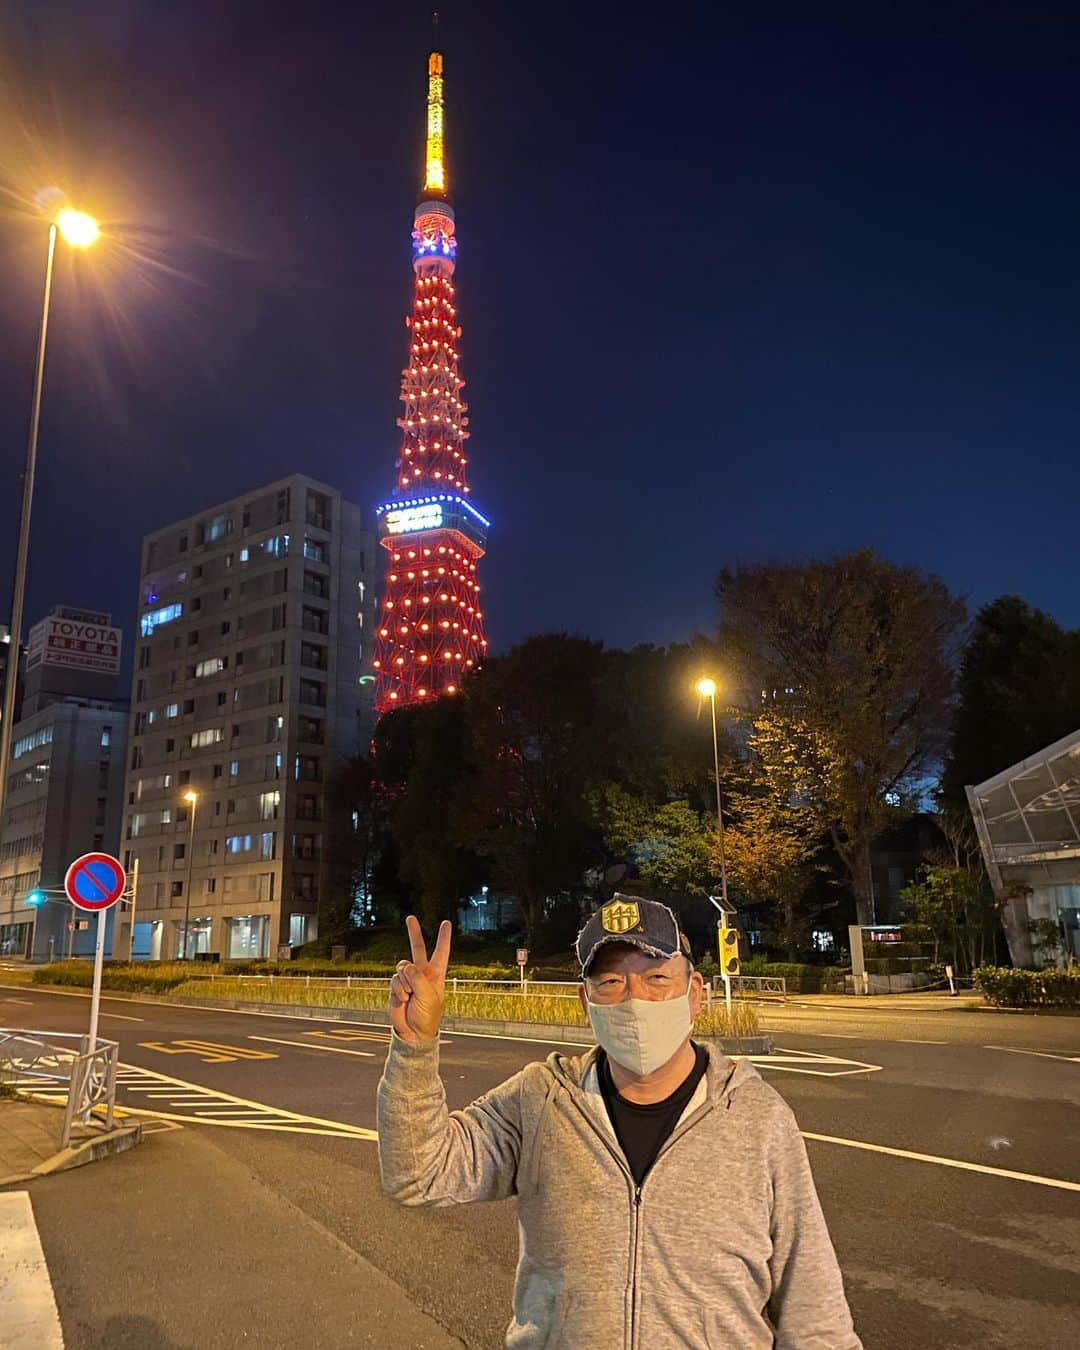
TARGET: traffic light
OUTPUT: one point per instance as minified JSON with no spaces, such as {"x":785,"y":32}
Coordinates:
{"x":35,"y":899}
{"x":729,"y":950}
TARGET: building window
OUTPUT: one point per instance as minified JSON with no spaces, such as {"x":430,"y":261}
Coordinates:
{"x":178,"y":851}
{"x":177,"y":888}
{"x":144,"y":657}
{"x":210,"y":885}
{"x":25,"y":744}
{"x":211,"y":736}
{"x":170,"y":746}
{"x":269,"y":804}
{"x":213,"y":665}
{"x":158,"y":617}
{"x":315,"y":550}
{"x":182,"y":544}
{"x":318,"y":510}
{"x":172,"y":710}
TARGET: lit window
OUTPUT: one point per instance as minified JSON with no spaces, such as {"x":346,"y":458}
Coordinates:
{"x":209,"y":737}
{"x":27,"y":743}
{"x":157,"y":617}
{"x":213,"y":665}
{"x":106,"y":735}
{"x":172,"y":710}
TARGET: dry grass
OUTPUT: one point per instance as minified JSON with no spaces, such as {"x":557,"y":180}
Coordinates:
{"x":559,"y":1009}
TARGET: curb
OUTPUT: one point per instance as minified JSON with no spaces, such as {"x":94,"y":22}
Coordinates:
{"x":91,"y":1150}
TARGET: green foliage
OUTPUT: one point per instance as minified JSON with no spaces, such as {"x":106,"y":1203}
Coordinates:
{"x":669,"y":844}
{"x":958,"y":910}
{"x":1019,"y":690}
{"x":7,"y":1092}
{"x":857,"y":656}
{"x":143,"y":978}
{"x":1006,"y":987}
{"x":801,"y":978}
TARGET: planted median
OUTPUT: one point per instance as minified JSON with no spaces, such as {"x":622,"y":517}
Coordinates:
{"x":545,"y":1005}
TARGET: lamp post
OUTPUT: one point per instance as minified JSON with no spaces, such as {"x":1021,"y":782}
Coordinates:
{"x":192,"y":798}
{"x":79,"y":230}
{"x":707,"y":689}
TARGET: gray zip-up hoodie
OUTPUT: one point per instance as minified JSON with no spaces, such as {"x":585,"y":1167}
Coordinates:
{"x":724,"y":1243}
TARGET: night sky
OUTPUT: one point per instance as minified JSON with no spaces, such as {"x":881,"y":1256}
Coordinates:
{"x":737,"y":283}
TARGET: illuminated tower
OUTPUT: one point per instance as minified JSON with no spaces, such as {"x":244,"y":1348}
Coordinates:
{"x":431,"y":630}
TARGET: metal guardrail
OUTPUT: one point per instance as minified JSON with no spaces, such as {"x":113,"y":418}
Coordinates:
{"x":772,"y":988}
{"x":58,"y":1058}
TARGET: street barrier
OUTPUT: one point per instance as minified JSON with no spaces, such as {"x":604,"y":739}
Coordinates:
{"x":58,"y":1058}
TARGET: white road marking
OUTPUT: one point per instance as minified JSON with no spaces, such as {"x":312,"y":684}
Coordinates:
{"x":1032,"y":1177}
{"x":809,"y":1061}
{"x":1042,"y":1054}
{"x":123,"y":1017}
{"x":259,"y":1116}
{"x":22,"y":1002}
{"x":28,"y":1316}
{"x":315,"y":1045}
{"x":903,"y":1040}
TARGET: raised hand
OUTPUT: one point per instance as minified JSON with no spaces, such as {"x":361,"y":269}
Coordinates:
{"x":418,"y":989}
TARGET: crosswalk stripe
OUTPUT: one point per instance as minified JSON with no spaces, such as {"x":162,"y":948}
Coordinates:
{"x":28,"y":1316}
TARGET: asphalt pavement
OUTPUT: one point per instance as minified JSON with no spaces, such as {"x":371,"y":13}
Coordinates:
{"x":944,"y":1145}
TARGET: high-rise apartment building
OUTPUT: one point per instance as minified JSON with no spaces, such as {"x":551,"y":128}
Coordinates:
{"x":250,"y":690}
{"x":65,"y":780}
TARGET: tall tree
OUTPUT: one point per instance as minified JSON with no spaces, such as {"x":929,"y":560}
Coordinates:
{"x":1019,"y":690}
{"x":850,"y":664}
{"x":420,"y":757}
{"x":358,"y":839}
{"x":533,"y":730}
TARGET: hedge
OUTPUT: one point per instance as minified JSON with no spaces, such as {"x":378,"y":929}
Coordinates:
{"x":339,"y":969}
{"x":1009,"y":988}
{"x":142,"y":979}
{"x":801,"y":978}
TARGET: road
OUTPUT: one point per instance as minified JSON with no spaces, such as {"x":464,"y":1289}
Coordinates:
{"x":946,"y":1149}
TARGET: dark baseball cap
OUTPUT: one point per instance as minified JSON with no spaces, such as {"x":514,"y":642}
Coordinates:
{"x":627,"y":918}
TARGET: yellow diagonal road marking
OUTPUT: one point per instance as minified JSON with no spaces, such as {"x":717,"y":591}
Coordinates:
{"x":210,"y":1052}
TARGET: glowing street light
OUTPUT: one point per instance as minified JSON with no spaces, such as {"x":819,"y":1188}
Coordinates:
{"x":79,"y":230}
{"x":192,"y":799}
{"x":706,"y":687}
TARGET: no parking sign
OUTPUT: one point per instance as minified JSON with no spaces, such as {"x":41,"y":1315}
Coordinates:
{"x":95,"y":881}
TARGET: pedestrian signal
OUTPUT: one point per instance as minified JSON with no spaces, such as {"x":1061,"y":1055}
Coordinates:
{"x":35,"y":899}
{"x":729,"y":950}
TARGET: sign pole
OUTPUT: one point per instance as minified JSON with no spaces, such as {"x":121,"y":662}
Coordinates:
{"x":131,"y":917}
{"x":95,"y":997}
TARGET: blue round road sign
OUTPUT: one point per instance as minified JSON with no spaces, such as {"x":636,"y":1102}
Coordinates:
{"x":95,"y":881}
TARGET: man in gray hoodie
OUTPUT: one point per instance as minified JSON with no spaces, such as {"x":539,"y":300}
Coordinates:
{"x":664,"y":1193}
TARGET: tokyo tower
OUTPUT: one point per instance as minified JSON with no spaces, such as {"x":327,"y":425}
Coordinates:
{"x":431,"y":629}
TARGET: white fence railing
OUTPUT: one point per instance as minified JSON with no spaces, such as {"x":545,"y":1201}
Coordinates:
{"x":51,"y":1059}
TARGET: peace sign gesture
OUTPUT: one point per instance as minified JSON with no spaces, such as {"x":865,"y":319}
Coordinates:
{"x":418,"y":990}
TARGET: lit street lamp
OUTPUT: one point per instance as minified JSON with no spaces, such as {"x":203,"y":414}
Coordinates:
{"x":192,"y":798}
{"x":707,"y":689}
{"x":80,"y":231}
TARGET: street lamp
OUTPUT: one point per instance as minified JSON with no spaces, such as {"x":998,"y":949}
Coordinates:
{"x":192,"y":798}
{"x":707,"y":689}
{"x":79,"y":230}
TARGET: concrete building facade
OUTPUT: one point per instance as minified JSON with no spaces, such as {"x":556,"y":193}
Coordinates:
{"x":250,"y":690}
{"x":64,"y":798}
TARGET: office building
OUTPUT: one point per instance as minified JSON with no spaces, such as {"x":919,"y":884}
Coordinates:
{"x":1028,"y":821}
{"x":65,"y":780}
{"x":249,"y":692}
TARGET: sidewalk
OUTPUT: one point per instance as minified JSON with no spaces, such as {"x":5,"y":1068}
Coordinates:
{"x":937,"y":1000}
{"x":30,"y":1141}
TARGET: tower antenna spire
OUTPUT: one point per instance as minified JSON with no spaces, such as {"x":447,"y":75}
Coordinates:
{"x":434,"y":162}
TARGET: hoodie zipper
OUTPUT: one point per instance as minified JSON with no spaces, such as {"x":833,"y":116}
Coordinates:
{"x":635,"y":1212}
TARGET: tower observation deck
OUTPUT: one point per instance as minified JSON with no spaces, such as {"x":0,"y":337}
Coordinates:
{"x":431,"y":624}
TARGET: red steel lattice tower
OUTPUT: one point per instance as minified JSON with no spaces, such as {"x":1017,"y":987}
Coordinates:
{"x":431,"y":625}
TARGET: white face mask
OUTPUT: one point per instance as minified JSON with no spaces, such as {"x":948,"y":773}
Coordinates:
{"x":642,"y":1034}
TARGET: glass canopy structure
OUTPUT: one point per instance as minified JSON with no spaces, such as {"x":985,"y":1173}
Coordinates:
{"x":1028,"y":822}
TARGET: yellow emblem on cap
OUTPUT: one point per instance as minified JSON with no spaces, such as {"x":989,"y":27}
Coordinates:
{"x":620,"y":916}
{"x":684,"y":942}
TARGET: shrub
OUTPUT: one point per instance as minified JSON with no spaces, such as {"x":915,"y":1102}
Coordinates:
{"x":1010,"y":988}
{"x":137,"y":979}
{"x":801,"y":978}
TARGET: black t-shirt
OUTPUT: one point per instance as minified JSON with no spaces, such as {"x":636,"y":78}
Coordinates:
{"x":642,"y":1131}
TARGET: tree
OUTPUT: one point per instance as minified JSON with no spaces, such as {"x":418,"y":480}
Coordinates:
{"x":1019,"y":690}
{"x":850,"y":665}
{"x":532,"y":746}
{"x":358,"y":839}
{"x":957,"y":906}
{"x":420,"y":757}
{"x":769,"y":850}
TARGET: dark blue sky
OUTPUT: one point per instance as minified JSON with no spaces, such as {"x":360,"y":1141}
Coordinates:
{"x":734,"y":286}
